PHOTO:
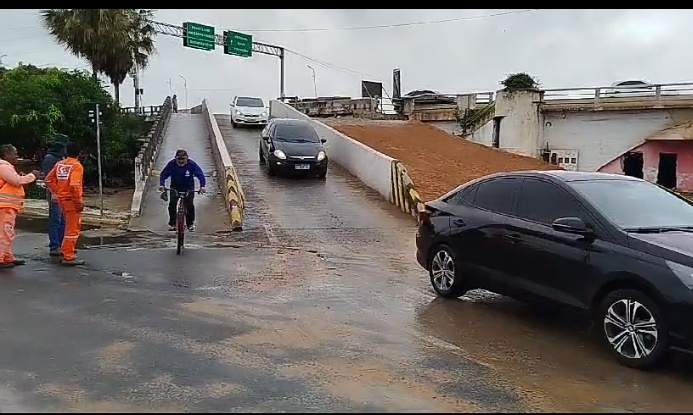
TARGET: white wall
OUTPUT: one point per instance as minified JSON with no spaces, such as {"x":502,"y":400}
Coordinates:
{"x":601,"y":136}
{"x":520,"y":126}
{"x":371,"y":167}
{"x":483,"y":135}
{"x":450,"y":127}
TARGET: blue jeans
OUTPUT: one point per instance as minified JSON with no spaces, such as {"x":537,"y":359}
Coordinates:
{"x":56,"y":226}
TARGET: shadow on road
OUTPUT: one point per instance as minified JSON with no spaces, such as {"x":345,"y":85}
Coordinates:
{"x":554,"y":350}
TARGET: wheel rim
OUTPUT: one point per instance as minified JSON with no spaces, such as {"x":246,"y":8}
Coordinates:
{"x":631,"y":329}
{"x":443,"y":270}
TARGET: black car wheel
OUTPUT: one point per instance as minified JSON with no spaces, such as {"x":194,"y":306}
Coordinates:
{"x":444,"y":273}
{"x":261,"y":157}
{"x":633,"y":328}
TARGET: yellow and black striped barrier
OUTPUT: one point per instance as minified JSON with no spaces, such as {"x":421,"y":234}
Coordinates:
{"x":235,"y":199}
{"x":403,"y":192}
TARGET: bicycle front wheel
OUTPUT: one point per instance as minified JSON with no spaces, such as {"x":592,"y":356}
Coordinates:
{"x":180,"y":229}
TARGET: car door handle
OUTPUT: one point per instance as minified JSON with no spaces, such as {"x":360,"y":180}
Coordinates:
{"x":513,"y":238}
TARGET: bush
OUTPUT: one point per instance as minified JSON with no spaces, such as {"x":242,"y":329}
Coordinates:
{"x":520,"y":82}
{"x":37,"y":103}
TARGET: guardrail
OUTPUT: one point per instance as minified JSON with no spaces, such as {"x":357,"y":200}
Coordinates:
{"x":146,"y":110}
{"x":479,"y":98}
{"x":147,"y":154}
{"x":596,"y":96}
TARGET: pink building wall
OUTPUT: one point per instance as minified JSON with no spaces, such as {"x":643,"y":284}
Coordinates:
{"x":651,"y":150}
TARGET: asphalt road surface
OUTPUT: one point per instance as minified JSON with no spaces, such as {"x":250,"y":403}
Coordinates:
{"x":317,"y":305}
{"x":188,"y":131}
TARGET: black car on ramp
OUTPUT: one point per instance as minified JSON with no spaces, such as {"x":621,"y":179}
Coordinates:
{"x":616,"y":247}
{"x":292,"y":147}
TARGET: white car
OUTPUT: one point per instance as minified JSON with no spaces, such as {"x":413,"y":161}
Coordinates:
{"x":248,"y":111}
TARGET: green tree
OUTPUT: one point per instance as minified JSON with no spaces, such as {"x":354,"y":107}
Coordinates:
{"x":519,"y":82}
{"x":36,"y":103}
{"x":113,"y":41}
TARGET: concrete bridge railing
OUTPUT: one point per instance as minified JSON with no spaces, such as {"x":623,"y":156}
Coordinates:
{"x":653,"y":95}
{"x":147,"y":154}
{"x":146,"y":110}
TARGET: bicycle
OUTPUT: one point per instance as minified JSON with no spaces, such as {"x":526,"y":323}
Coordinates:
{"x":180,"y":217}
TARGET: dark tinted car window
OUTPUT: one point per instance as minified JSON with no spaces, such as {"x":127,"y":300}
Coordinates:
{"x":544,"y":202}
{"x":465,"y":195}
{"x":496,"y":195}
{"x":296,"y":133}
{"x":249,"y":102}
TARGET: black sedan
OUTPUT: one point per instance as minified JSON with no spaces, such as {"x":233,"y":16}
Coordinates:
{"x":291,"y":147}
{"x":616,"y":247}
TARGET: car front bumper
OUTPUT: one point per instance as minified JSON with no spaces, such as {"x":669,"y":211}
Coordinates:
{"x":250,"y":120}
{"x":289,"y":166}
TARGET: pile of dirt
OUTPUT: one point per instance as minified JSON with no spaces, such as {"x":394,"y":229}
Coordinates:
{"x":437,"y":161}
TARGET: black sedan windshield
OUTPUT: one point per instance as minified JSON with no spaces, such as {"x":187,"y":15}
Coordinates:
{"x":296,"y":133}
{"x":635,"y":204}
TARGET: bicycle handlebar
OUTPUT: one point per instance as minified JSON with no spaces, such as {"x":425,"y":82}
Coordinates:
{"x":186,"y":192}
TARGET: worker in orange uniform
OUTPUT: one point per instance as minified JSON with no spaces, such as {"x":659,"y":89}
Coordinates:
{"x":65,"y":183}
{"x":11,"y":202}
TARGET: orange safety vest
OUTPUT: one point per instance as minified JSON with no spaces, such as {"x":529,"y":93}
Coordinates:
{"x":11,"y":196}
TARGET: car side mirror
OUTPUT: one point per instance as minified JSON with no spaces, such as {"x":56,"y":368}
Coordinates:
{"x":322,"y":140}
{"x":571,"y":224}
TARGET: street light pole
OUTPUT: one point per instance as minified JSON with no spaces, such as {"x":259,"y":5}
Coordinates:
{"x":315,"y":85}
{"x":185,"y":86}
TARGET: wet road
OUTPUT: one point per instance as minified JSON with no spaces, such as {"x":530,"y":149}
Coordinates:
{"x":323,"y":309}
{"x":187,"y":131}
{"x":238,"y":326}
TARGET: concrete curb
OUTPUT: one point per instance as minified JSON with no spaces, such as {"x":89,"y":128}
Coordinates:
{"x":229,"y":183}
{"x":141,"y":180}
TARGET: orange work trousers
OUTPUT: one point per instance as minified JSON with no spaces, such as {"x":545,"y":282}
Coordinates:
{"x":73,"y":226}
{"x":8,"y":216}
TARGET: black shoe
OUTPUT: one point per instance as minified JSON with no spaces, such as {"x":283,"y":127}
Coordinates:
{"x":7,"y":265}
{"x":55,"y":252}
{"x":19,"y":262}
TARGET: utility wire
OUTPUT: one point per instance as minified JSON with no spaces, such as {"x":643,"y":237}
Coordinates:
{"x":388,"y":26}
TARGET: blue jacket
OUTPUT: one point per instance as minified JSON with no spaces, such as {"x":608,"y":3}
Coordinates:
{"x":182,"y":177}
{"x":55,"y":154}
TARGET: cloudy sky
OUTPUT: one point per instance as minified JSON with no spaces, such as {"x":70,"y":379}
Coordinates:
{"x":451,"y":51}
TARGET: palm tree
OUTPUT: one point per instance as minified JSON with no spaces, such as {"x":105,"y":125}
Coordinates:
{"x":111,"y":40}
{"x":133,"y":50}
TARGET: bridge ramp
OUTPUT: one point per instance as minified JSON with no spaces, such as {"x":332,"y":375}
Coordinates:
{"x":187,"y":131}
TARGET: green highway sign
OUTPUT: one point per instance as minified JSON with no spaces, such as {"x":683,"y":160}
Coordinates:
{"x":238,"y":44}
{"x":198,"y":36}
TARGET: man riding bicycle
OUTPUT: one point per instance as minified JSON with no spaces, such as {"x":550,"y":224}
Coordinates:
{"x":182,"y":172}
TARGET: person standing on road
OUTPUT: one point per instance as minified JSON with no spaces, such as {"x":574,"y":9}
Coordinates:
{"x":56,"y":221}
{"x":182,"y":172}
{"x":174,"y":103}
{"x":65,"y":183}
{"x":11,"y":202}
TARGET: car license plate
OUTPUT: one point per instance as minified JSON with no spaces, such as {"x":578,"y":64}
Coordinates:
{"x":303,"y":167}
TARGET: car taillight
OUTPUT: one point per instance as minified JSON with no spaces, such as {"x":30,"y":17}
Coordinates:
{"x":425,"y":217}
